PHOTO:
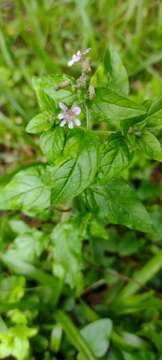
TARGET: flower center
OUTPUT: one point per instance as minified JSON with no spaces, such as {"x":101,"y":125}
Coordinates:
{"x":69,"y":116}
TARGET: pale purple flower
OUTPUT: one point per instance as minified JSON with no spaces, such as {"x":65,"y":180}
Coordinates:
{"x":78,"y":56}
{"x":69,"y":116}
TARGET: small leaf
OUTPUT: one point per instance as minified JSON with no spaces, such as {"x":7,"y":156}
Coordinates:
{"x":150,"y":145}
{"x":26,"y":191}
{"x":118,"y":203}
{"x":97,"y":335}
{"x":41,"y":122}
{"x":52,"y":143}
{"x":114,"y":157}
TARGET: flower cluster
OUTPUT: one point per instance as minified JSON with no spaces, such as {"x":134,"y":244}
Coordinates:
{"x":78,"y":56}
{"x":69,"y":116}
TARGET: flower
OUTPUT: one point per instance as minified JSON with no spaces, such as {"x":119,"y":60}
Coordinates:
{"x":78,"y":56}
{"x":69,"y":116}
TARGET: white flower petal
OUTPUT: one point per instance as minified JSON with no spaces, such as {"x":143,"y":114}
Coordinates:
{"x":63,"y":123}
{"x":76,"y":110}
{"x":63,"y":106}
{"x":86,"y":51}
{"x":75,"y":58}
{"x":60,"y":116}
{"x":70,"y":62}
{"x":77,"y":122}
{"x":70,"y":125}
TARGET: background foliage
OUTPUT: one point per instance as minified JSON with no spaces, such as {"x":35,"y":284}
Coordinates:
{"x":97,"y":295}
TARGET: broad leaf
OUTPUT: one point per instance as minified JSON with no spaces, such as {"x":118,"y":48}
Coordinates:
{"x":154,"y":120}
{"x":52,"y":143}
{"x":108,"y":105}
{"x":150,"y":145}
{"x":116,"y":72}
{"x":41,"y":122}
{"x":26,"y":191}
{"x":114,"y":157}
{"x":112,"y":73}
{"x":77,"y":169}
{"x":66,"y":239}
{"x":97,"y":335}
{"x":118,"y":203}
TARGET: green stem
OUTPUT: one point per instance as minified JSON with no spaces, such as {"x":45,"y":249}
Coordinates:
{"x":74,"y":336}
{"x":142,"y":276}
{"x":139,"y":18}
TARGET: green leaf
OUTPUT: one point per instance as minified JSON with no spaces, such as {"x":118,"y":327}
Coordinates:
{"x":154,"y":121}
{"x":19,"y":227}
{"x":67,"y":250}
{"x":127,"y":341}
{"x":52,"y":143}
{"x":49,"y":282}
{"x":139,"y":355}
{"x":112,"y":73}
{"x":50,"y":90}
{"x":114,"y":157}
{"x":116,"y":72}
{"x":97,"y":334}
{"x":118,"y":203}
{"x":74,"y":336}
{"x":108,"y":105}
{"x":56,"y":337}
{"x":141,"y":277}
{"x":64,"y":95}
{"x":150,"y":145}
{"x":41,"y":122}
{"x":29,"y":246}
{"x":26,"y":191}
{"x":14,"y":342}
{"x":99,"y":78}
{"x":12,"y":289}
{"x":77,"y":169}
{"x":114,"y":354}
{"x":128,"y":244}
